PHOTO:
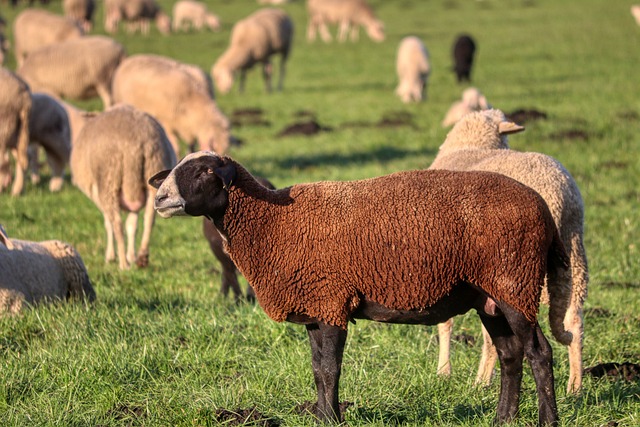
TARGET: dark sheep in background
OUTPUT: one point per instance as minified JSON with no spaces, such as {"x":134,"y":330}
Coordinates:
{"x":464,"y":50}
{"x":412,"y":247}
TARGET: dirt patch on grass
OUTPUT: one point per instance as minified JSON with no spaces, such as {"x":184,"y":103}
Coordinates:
{"x":523,"y":115}
{"x":306,"y":128}
{"x":124,"y":412}
{"x":389,"y":119}
{"x":245,"y":417}
{"x":626,"y":371}
{"x":248,"y":117}
{"x":570,"y":134}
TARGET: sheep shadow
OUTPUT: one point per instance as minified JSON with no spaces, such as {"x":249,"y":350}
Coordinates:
{"x":357,"y":157}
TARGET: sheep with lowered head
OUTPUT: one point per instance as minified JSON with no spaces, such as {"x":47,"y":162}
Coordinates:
{"x":81,"y":11}
{"x":255,"y":39}
{"x":412,"y":247}
{"x":15,"y":107}
{"x":194,"y":14}
{"x":137,"y":14}
{"x":348,"y":14}
{"x":472,"y":100}
{"x":49,"y":128}
{"x":413,"y":68}
{"x":81,"y":68}
{"x":114,"y":156}
{"x":36,"y":28}
{"x":478,"y":142}
{"x":34,"y":272}
{"x":178,"y":95}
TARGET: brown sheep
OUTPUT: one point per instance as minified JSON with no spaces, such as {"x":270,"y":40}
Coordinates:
{"x":15,"y":107}
{"x":412,"y":247}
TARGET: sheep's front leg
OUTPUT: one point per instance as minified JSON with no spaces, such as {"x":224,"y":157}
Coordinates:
{"x":444,"y":340}
{"x":327,"y":346}
{"x":131,"y":226}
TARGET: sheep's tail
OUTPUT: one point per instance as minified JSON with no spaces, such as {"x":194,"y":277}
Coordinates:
{"x":559,"y":288}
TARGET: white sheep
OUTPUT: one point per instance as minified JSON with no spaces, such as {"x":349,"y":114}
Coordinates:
{"x":178,"y":95}
{"x":35,"y":272}
{"x":114,"y":156}
{"x":254,"y":40}
{"x":137,"y":14}
{"x":635,"y":11}
{"x":81,"y":11}
{"x":36,"y":28}
{"x":472,"y":100}
{"x":478,"y":142}
{"x":81,"y":68}
{"x":15,"y":107}
{"x":191,"y":13}
{"x":49,"y":129}
{"x":413,"y":69}
{"x":348,"y":14}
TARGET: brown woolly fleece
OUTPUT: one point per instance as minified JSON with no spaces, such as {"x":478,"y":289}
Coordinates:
{"x":403,"y":240}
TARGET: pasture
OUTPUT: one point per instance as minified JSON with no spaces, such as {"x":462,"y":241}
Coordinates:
{"x":160,"y":347}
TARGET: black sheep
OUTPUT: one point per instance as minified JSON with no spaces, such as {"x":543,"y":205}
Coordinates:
{"x":464,"y":49}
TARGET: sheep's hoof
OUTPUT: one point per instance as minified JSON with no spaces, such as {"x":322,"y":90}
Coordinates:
{"x":143,"y":260}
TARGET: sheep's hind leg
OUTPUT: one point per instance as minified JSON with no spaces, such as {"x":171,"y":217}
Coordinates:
{"x":149,"y":219}
{"x":327,"y":346}
{"x":444,"y":341}
{"x":131,"y":227}
{"x":487,"y":360}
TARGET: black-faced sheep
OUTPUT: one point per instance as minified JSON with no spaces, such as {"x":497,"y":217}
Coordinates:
{"x":36,"y":28}
{"x":229,"y":269}
{"x":80,"y":68}
{"x":255,"y":39}
{"x":178,"y":95}
{"x":413,"y":68}
{"x":114,"y":156}
{"x":479,"y":142}
{"x":412,"y":247}
{"x":348,"y":14}
{"x":464,"y":49}
{"x":33,"y":272}
{"x":15,"y":107}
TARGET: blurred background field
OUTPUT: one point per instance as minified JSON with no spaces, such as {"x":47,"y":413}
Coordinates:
{"x":161,"y":347}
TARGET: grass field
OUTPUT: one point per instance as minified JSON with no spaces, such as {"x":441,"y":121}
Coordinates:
{"x":160,"y":347}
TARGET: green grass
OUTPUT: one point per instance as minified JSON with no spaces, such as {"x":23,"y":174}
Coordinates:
{"x":161,"y":348}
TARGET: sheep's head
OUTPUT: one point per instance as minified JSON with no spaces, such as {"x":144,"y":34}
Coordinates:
{"x":375,"y":31}
{"x":223,"y":78}
{"x":197,"y":186}
{"x":486,"y":129}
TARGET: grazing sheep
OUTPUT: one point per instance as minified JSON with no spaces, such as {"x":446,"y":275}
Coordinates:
{"x":464,"y":49}
{"x":413,"y":68}
{"x":49,"y":129}
{"x":35,"y":28}
{"x":635,"y":11}
{"x":229,"y":270}
{"x":472,"y":100}
{"x":114,"y":156}
{"x":194,"y":14}
{"x":77,"y":69}
{"x":348,"y":14}
{"x":81,"y":11}
{"x":184,"y":106}
{"x":137,"y":13}
{"x":479,"y":142}
{"x":34,"y":272}
{"x":15,"y":107}
{"x":255,"y":39}
{"x":412,"y":247}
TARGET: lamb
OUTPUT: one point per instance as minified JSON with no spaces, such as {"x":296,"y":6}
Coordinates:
{"x":137,"y":13}
{"x":229,"y":270}
{"x":15,"y":107}
{"x":35,"y":272}
{"x":81,"y":11}
{"x":479,"y":142}
{"x":464,"y":49}
{"x":472,"y":100}
{"x":635,"y":11}
{"x":348,"y":14}
{"x":116,"y":152}
{"x":191,"y":13}
{"x":49,"y":128}
{"x":255,"y":39}
{"x":77,"y":69}
{"x":412,"y":247}
{"x":36,"y":28}
{"x":413,"y":68}
{"x":185,"y":106}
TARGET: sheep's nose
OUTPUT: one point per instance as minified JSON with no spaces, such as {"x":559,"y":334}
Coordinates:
{"x":161,"y":197}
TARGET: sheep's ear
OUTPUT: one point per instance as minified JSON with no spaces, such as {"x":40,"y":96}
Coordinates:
{"x":506,"y":128}
{"x":4,"y":239}
{"x":227,"y":173}
{"x":156,"y":180}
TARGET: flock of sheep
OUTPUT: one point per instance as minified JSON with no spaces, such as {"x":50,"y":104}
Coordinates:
{"x":465,"y":234}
